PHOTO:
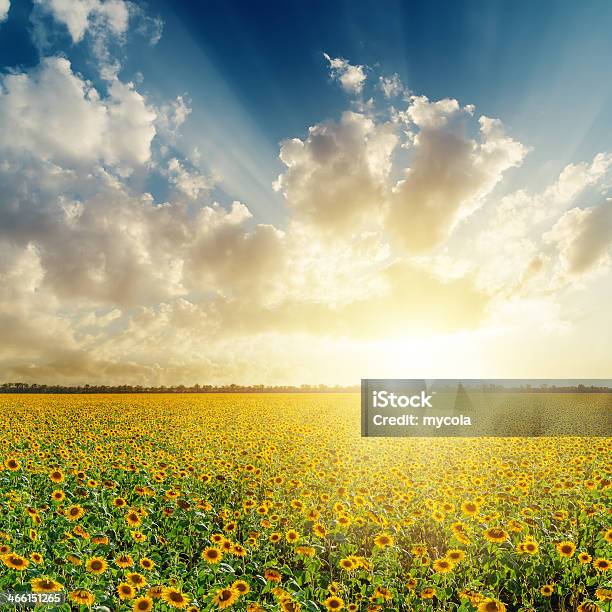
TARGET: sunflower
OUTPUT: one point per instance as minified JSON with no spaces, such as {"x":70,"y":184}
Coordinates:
{"x":96,"y":565}
{"x":58,"y":495}
{"x":473,"y":596}
{"x":319,"y":530}
{"x":125,"y":591}
{"x":334,"y":603}
{"x":547,"y":590}
{"x":16,"y":562}
{"x":238,"y":550}
{"x":288,"y":605}
{"x":608,"y":536}
{"x":74,"y":559}
{"x":45,"y":585}
{"x":603,"y":594}
{"x":382,"y":592}
{"x":443,"y":566}
{"x":602,"y":565}
{"x":491,"y":605}
{"x":12,"y":464}
{"x":428,"y":593}
{"x":212,"y":555}
{"x":74,"y":512}
{"x":56,"y":476}
{"x":142,"y":604}
{"x":138,"y":536}
{"x":225,"y":597}
{"x":584,"y":557}
{"x":36,"y":557}
{"x":119,"y":502}
{"x":347,"y":564}
{"x":275,"y":537}
{"x":241,"y":587}
{"x":146,"y":563}
{"x":566,"y":549}
{"x":455,"y":555}
{"x":292,"y":536}
{"x":588,"y":606}
{"x":136,"y":580}
{"x":469,"y":508}
{"x":132,"y":518}
{"x":272,"y":575}
{"x":496,"y":534}
{"x":82,"y":597}
{"x":124,"y":560}
{"x":156,"y":592}
{"x":529,"y":547}
{"x":382,"y":540}
{"x":174,"y":598}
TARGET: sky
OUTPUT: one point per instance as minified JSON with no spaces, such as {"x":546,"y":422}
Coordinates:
{"x":216,"y":192}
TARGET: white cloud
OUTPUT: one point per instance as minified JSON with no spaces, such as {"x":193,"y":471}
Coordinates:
{"x":52,"y":113}
{"x":336,"y":177}
{"x":391,"y":86}
{"x":171,"y":117}
{"x":511,"y":239}
{"x":582,"y":237}
{"x":192,"y":184}
{"x":5,"y":6}
{"x":351,"y":77}
{"x":80,"y":16}
{"x":449,"y":175}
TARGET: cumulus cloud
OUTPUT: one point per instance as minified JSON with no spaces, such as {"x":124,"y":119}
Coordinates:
{"x":582,"y":237}
{"x":52,"y":113}
{"x":336,"y":177}
{"x":81,"y":16}
{"x":190,"y":183}
{"x":351,"y":77}
{"x":511,"y":240}
{"x":450,"y":173}
{"x":5,"y":6}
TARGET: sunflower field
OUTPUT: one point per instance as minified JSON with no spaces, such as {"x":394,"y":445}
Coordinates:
{"x":274,"y":502}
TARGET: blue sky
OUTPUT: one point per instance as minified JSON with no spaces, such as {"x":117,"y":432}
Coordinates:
{"x":288,"y":192}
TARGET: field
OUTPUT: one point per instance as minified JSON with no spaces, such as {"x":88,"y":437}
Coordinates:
{"x":275,"y":502}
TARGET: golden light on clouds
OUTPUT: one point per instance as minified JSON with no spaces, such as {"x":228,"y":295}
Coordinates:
{"x":403,"y":253}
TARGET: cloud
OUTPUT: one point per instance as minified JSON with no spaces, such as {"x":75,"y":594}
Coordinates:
{"x":391,"y":86}
{"x":52,"y":113}
{"x":82,"y":16}
{"x":336,"y":177}
{"x":450,"y":173}
{"x":510,"y":241}
{"x":172,"y":116}
{"x":5,"y":6}
{"x":190,"y":183}
{"x":102,"y":281}
{"x":351,"y":77}
{"x":582,"y":237}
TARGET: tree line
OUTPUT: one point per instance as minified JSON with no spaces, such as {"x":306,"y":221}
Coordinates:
{"x":20,"y":387}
